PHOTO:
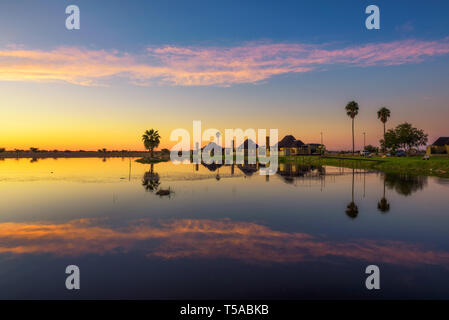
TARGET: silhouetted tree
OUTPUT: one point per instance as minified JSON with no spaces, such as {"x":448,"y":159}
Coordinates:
{"x":352,"y":109}
{"x":383,"y":114}
{"x":151,"y":140}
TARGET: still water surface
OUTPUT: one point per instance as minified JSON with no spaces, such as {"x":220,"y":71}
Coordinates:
{"x":223,"y":232}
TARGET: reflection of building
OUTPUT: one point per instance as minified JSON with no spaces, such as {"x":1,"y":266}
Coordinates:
{"x":290,"y":171}
{"x":440,"y":146}
{"x":212,"y":166}
{"x":248,"y":169}
{"x":290,"y":146}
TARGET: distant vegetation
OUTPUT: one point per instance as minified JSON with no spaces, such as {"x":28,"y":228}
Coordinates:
{"x":414,"y":165}
{"x":404,"y":136}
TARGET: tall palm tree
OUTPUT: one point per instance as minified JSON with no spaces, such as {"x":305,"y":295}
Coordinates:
{"x":352,"y":109}
{"x":383,"y":114}
{"x":151,"y":140}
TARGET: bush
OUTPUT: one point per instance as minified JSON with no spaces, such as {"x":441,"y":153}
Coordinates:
{"x":371,"y":149}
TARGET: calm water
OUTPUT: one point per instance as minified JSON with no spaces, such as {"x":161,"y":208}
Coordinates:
{"x":222,"y":233}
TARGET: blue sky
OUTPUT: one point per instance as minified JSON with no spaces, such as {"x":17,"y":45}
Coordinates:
{"x":129,"y":25}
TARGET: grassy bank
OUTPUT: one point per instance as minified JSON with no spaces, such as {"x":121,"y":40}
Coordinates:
{"x":436,"y":166}
{"x":149,"y":160}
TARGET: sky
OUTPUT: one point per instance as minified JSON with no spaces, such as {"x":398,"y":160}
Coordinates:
{"x":290,"y":65}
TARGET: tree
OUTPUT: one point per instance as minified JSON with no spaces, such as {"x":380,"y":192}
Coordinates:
{"x":383,"y":114}
{"x":151,"y":140}
{"x":2,"y":150}
{"x":371,"y":149}
{"x":165,"y":151}
{"x":404,"y":136}
{"x":352,"y":109}
{"x":32,"y":149}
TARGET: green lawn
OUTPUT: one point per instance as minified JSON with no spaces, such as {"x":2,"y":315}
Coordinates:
{"x":148,"y":160}
{"x":436,"y":166}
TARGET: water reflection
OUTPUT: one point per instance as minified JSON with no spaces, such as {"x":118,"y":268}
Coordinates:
{"x":151,"y":180}
{"x":405,"y":184}
{"x":352,"y":210}
{"x":222,"y":215}
{"x":203,"y":238}
{"x":383,"y":205}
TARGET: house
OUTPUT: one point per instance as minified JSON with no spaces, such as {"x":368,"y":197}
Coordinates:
{"x":315,"y":148}
{"x":440,"y":146}
{"x":249,"y":147}
{"x":290,"y":146}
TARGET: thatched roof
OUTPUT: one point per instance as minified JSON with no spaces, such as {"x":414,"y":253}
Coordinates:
{"x":246,"y":143}
{"x":441,"y":141}
{"x":290,"y":142}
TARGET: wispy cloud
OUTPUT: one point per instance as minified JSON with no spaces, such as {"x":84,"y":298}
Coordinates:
{"x":205,"y":66}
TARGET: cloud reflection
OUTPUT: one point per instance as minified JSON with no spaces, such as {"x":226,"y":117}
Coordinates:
{"x":185,"y":238}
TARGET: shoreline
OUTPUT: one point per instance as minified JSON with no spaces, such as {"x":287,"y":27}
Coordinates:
{"x":74,"y":154}
{"x":436,"y":166}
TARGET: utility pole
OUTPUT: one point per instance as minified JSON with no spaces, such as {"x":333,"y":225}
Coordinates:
{"x":364,"y":140}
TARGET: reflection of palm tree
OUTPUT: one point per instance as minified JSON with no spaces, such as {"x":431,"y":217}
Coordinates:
{"x":383,"y":205}
{"x":218,"y":175}
{"x":352,"y":210}
{"x":151,"y":180}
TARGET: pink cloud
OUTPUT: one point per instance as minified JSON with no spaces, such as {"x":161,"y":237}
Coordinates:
{"x":204,"y":66}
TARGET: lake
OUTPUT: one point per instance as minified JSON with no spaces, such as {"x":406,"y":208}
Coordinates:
{"x":221,"y":233}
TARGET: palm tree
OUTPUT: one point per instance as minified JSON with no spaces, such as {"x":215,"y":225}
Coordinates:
{"x":352,"y":109}
{"x":383,"y":114}
{"x":151,"y":140}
